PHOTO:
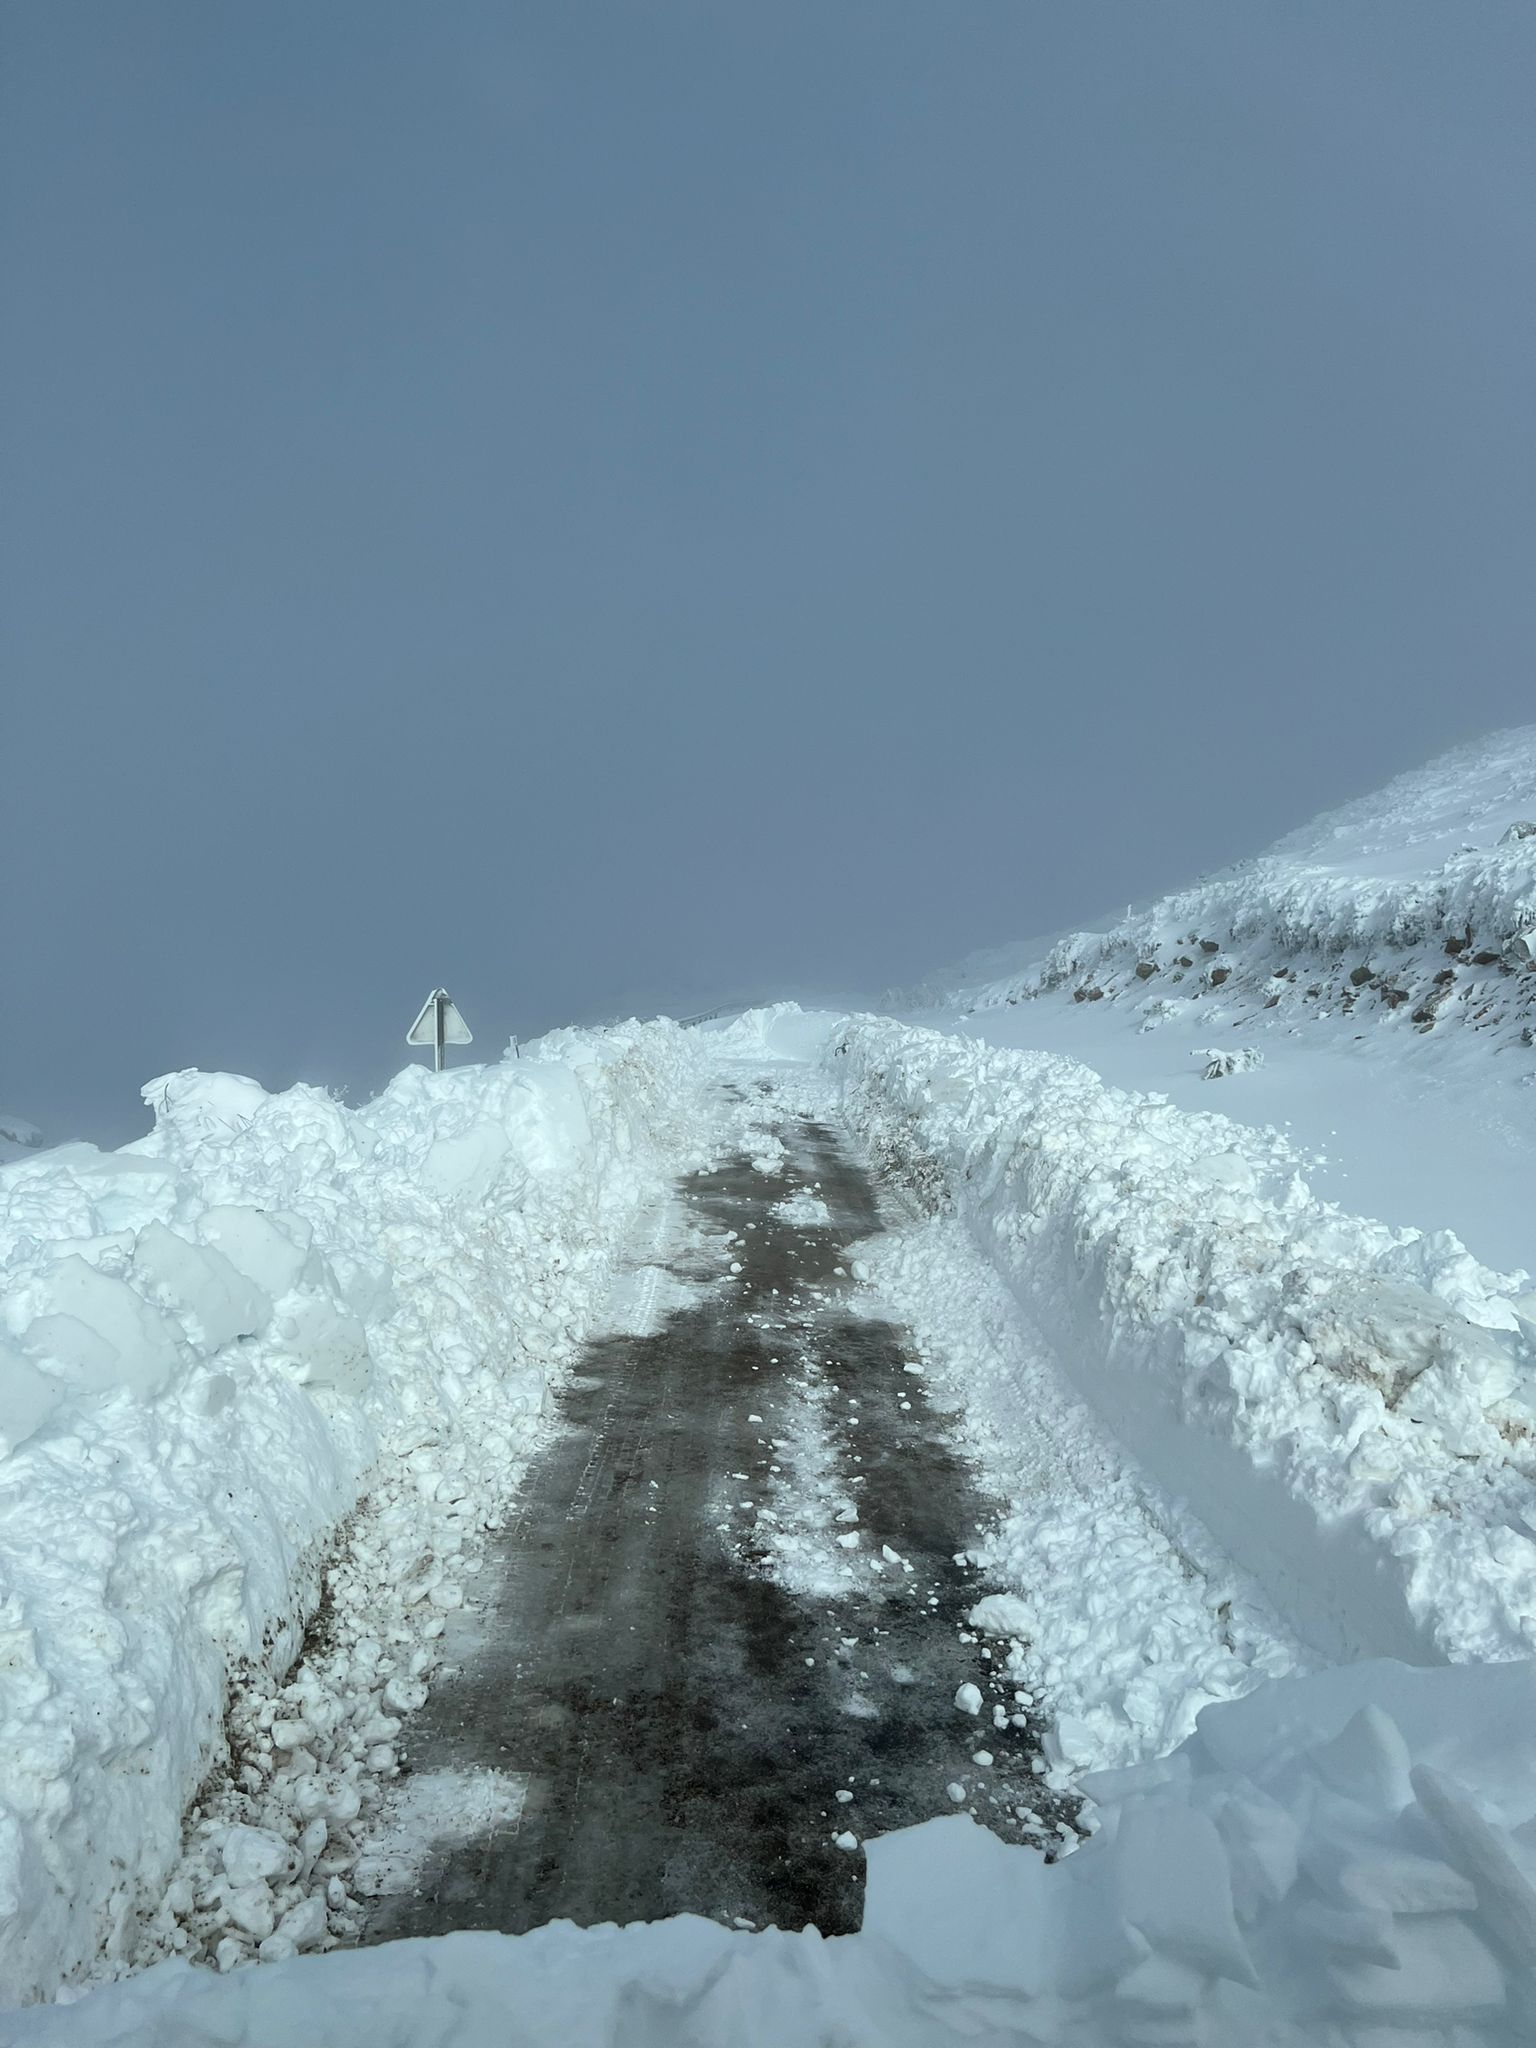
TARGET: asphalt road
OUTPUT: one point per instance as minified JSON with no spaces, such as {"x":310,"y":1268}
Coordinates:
{"x":681,"y":1723}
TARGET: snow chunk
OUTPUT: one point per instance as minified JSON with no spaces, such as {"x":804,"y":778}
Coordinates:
{"x":220,"y":1302}
{"x":99,"y":1334}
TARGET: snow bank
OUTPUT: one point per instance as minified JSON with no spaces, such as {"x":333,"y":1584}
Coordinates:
{"x":212,"y":1340}
{"x":1349,"y":1409}
{"x":1344,"y":1861}
{"x":1126,"y":1618}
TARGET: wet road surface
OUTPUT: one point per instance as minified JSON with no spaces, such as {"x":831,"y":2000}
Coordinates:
{"x":676,"y":1724}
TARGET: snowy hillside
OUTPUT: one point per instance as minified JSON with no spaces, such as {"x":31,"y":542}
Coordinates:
{"x":17,"y":1136}
{"x":1416,"y":904}
{"x":1366,"y":985}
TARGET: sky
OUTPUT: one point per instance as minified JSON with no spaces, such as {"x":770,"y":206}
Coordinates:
{"x":611,"y":505}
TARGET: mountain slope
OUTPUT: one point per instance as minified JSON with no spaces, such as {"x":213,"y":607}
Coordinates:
{"x":1367,"y":983}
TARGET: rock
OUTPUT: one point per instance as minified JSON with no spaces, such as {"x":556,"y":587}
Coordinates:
{"x":1523,"y":828}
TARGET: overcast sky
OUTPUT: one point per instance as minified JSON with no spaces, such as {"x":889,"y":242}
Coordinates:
{"x":600,"y":504}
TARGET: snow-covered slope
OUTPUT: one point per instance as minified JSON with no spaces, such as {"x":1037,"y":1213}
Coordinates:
{"x":1418,"y":901}
{"x":1365,"y":985}
{"x":18,"y":1136}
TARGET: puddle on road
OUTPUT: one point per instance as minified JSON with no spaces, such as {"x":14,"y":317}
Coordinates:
{"x":678,"y":1723}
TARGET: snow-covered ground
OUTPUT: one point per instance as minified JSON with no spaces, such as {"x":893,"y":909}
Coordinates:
{"x":1256,"y":1388}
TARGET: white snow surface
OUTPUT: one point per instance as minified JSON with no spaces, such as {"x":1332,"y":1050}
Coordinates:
{"x":1342,"y":1861}
{"x":214,"y":1340}
{"x":1347,"y":1408}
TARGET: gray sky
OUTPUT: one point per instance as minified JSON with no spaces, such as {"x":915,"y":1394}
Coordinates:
{"x":605,"y":503}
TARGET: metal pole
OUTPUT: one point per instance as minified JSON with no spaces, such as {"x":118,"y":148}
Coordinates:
{"x":437,"y":1049}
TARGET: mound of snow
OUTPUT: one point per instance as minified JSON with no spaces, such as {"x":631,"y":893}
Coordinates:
{"x":1342,"y":1859}
{"x":1349,"y":1409}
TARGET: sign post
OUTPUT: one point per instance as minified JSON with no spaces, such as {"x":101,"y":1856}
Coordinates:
{"x":439,"y":1024}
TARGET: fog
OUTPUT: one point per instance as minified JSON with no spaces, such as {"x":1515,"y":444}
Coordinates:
{"x":614,"y":505}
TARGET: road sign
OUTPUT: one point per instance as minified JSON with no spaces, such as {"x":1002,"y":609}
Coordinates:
{"x":438,"y":1025}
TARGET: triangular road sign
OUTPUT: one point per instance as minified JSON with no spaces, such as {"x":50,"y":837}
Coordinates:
{"x":424,"y":1030}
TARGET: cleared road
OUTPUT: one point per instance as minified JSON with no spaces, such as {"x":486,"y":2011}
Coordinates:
{"x":677,"y":1724}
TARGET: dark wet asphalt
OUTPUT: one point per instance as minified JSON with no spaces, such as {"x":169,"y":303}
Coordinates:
{"x":627,"y":1655}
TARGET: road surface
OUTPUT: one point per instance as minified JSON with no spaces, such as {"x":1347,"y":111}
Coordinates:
{"x":670,"y":1725}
